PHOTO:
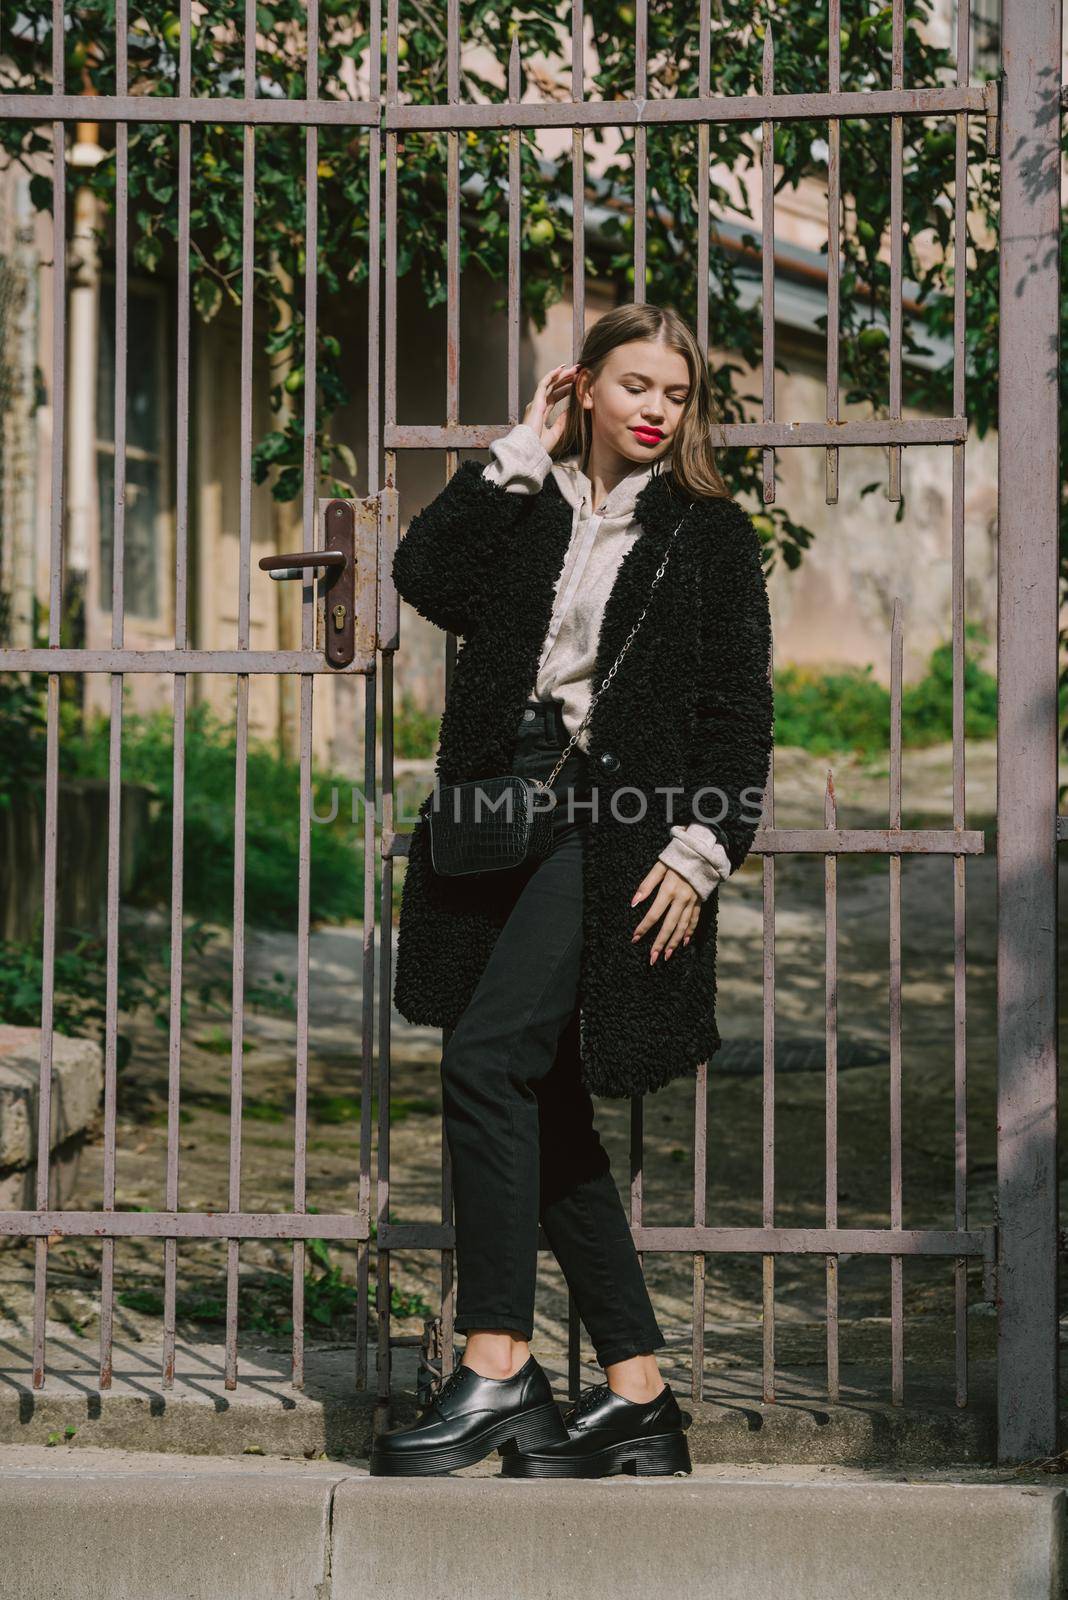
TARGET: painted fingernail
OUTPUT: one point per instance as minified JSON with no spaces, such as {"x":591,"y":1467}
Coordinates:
{"x":668,"y":955}
{"x":652,"y":958}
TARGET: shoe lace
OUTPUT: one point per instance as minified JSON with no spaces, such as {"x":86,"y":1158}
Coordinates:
{"x":586,"y":1402}
{"x":448,"y":1385}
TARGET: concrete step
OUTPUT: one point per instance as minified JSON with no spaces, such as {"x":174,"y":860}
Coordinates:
{"x":199,"y":1415}
{"x":88,"y":1524}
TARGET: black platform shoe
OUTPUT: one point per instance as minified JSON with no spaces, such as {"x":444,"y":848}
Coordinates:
{"x":607,"y":1433}
{"x":469,"y":1418}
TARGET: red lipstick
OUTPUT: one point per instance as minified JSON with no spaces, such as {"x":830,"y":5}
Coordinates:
{"x":648,"y":435}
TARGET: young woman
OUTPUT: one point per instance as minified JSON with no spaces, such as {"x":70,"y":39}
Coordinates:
{"x":591,"y":970}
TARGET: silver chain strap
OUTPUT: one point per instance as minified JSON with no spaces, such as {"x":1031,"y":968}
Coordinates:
{"x":546,"y":783}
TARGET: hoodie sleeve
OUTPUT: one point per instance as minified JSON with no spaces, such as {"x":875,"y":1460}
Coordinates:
{"x":697,"y":854}
{"x":520,"y":461}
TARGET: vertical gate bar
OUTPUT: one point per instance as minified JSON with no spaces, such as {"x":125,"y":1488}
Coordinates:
{"x":452,"y":461}
{"x":55,"y":601}
{"x":389,"y":384}
{"x":179,"y":703}
{"x":1029,"y":501}
{"x":447,"y":1275}
{"x":834,"y":241}
{"x":700,"y":1111}
{"x":578,"y":329}
{"x":767,"y":1155}
{"x":830,"y":812}
{"x":574,"y":1347}
{"x":830,"y":900}
{"x":641,"y":205}
{"x":897,"y":147}
{"x":515,"y":223}
{"x":637,"y":1139}
{"x":300,"y":1108}
{"x":386,"y":991}
{"x":767,"y":256}
{"x":960,"y":1058}
{"x":578,"y":184}
{"x":704,"y":53}
{"x":700,"y":1218}
{"x":896,"y":1329}
{"x":374,"y":484}
{"x":313,"y":540}
{"x":637,"y":1104}
{"x":367,"y":1018}
{"x":960,"y":947}
{"x":240,"y":776}
{"x":118,"y":545}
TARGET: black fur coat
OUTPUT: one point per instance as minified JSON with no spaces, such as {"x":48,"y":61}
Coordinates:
{"x":691,"y":706}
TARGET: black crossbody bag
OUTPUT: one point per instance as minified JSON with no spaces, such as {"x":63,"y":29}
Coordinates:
{"x":491,"y":824}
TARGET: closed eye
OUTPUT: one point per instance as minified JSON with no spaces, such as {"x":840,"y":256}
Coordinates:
{"x":678,"y":399}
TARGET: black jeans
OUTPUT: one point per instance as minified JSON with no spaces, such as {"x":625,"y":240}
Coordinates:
{"x":518,"y":1122}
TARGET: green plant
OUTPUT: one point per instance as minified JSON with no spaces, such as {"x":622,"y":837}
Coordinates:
{"x":825,"y":712}
{"x":415,"y":732}
{"x":265,"y":1299}
{"x":272,"y":835}
{"x":22,"y":736}
{"x":80,"y":972}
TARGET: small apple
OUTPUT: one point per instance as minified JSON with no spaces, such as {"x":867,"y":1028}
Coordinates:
{"x":542,"y":232}
{"x":872,"y":339}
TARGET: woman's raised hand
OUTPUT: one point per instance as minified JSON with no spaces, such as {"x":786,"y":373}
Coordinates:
{"x":553,"y":387}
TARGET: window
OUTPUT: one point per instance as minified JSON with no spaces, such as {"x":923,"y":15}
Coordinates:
{"x":143,"y":545}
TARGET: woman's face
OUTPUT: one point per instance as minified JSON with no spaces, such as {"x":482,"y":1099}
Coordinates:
{"x":637,"y":399}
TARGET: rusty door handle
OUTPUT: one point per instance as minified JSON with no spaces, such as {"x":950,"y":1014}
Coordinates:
{"x":292,"y":566}
{"x":338,"y":556}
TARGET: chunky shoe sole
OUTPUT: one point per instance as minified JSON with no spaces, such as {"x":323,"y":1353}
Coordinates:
{"x":524,"y":1431}
{"x":657,"y":1456}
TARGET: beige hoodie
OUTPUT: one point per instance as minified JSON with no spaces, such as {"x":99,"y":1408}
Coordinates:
{"x":599,"y":540}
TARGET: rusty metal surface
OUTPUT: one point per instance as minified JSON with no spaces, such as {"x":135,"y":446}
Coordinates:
{"x":1029,"y":493}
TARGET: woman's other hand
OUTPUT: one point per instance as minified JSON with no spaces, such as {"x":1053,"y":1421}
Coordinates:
{"x":678,"y":902}
{"x":553,"y":387}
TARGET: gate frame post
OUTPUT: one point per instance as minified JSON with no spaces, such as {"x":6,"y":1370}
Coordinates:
{"x":1028,"y":519}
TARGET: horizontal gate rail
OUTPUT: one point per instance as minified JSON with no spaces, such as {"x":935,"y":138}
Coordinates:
{"x":191,"y":109}
{"x":746,"y":1241}
{"x":925,"y":102}
{"x":777,"y":435}
{"x":920,"y":102}
{"x":180,"y":661}
{"x":826,"y":841}
{"x":183,"y":1225}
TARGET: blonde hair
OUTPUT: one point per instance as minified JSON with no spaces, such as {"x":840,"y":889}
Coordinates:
{"x":692,"y":456}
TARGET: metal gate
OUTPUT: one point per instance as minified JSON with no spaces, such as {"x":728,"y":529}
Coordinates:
{"x":1019,"y":1255}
